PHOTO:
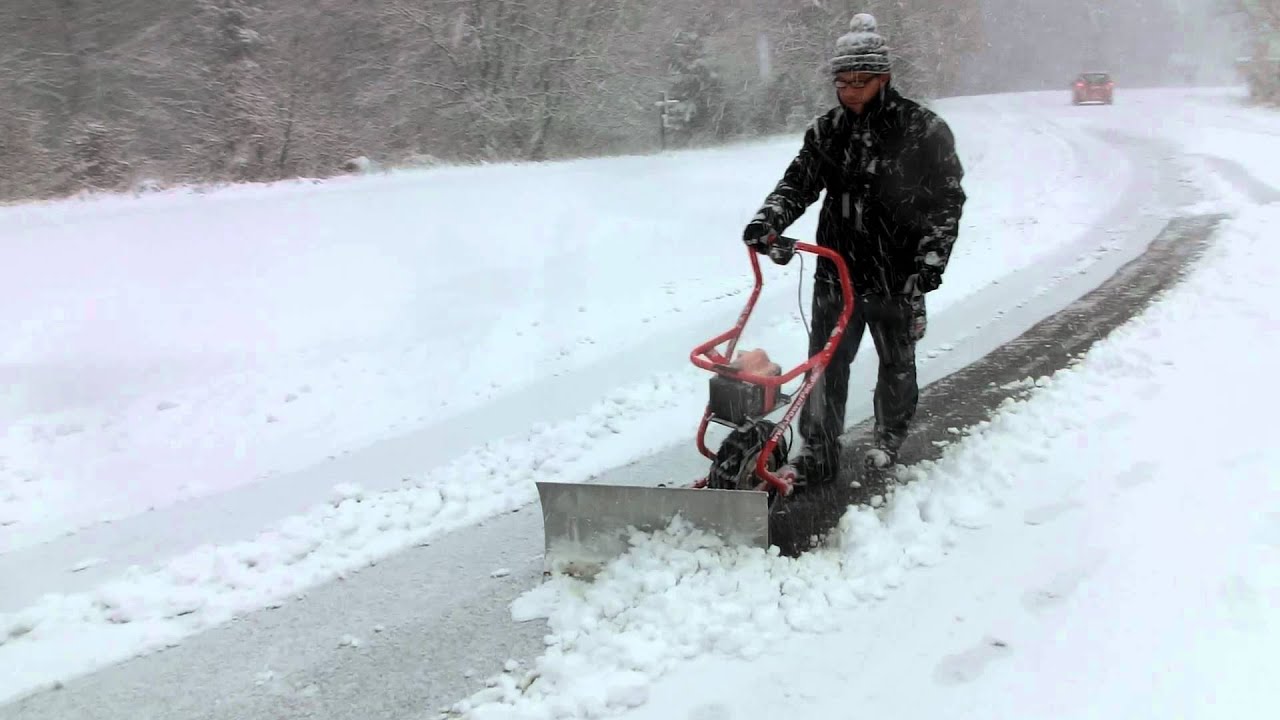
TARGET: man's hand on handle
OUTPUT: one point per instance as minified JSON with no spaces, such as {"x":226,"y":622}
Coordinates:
{"x":925,"y":280}
{"x":761,"y":237}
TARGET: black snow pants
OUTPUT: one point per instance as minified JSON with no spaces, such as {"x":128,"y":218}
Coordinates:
{"x":891,"y":320}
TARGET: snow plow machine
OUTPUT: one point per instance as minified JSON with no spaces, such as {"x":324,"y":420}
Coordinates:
{"x":586,"y":525}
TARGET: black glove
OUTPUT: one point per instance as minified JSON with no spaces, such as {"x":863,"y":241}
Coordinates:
{"x":758,"y":235}
{"x":927,"y":279}
{"x":782,"y":250}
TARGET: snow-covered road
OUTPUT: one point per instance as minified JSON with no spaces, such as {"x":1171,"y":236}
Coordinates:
{"x":124,"y":443}
{"x":1039,"y":233}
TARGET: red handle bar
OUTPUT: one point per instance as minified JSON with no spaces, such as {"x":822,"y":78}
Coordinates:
{"x":707,"y":357}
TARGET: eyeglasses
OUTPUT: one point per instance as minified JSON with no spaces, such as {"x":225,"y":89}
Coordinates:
{"x":858,"y":81}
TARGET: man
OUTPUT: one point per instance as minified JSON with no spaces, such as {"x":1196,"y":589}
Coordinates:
{"x":892,"y":209}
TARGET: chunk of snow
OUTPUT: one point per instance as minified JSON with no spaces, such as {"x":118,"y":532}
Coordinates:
{"x":86,"y":564}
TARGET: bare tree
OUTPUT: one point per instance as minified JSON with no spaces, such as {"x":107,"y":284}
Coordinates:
{"x":936,"y":42}
{"x":241,"y":106}
{"x":250,"y":90}
{"x":1264,"y":70}
{"x":24,"y":164}
{"x":96,"y":157}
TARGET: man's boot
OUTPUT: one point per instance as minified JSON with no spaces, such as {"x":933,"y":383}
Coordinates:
{"x":884,"y":452}
{"x":816,"y":465}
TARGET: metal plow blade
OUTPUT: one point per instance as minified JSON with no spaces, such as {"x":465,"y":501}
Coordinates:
{"x":586,"y":526}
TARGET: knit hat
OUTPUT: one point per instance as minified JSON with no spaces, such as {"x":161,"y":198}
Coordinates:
{"x":861,"y":49}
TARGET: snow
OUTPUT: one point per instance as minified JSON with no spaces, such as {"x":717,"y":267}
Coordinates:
{"x":151,"y":608}
{"x":1108,"y":545}
{"x":170,"y":425}
{"x":181,"y":345}
{"x":186,"y":346}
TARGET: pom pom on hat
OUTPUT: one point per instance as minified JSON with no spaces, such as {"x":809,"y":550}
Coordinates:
{"x":862,"y":49}
{"x":863,"y":22}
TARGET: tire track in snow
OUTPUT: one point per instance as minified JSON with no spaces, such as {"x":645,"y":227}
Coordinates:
{"x":1235,"y":173}
{"x":966,"y":398}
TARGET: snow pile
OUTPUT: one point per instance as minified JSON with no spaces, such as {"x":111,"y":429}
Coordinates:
{"x":1148,"y":442}
{"x":681,"y":594}
{"x":150,"y":608}
{"x":676,"y":596}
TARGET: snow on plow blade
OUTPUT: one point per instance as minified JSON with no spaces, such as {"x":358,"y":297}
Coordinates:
{"x":586,"y":526}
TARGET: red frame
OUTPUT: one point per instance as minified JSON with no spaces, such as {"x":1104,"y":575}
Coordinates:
{"x":707,"y":357}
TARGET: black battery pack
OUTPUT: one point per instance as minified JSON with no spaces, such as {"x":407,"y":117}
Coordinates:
{"x":737,"y":402}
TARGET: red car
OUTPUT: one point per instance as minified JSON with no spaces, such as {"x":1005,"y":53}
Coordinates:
{"x":1093,"y":87}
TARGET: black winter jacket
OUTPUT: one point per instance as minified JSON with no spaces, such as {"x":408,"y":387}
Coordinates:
{"x":893,"y":193}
